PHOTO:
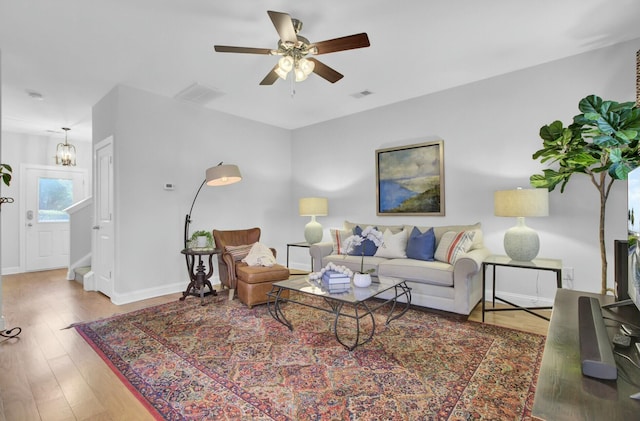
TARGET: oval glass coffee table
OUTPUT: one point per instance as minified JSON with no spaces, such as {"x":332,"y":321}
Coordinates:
{"x":360,"y":303}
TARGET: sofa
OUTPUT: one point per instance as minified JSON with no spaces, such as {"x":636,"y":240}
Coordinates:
{"x":442,"y":265}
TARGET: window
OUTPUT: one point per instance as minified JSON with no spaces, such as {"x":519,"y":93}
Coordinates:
{"x":54,"y":195}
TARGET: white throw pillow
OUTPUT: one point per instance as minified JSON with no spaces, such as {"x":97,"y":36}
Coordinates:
{"x":260,"y":255}
{"x":394,"y":245}
{"x":453,"y":244}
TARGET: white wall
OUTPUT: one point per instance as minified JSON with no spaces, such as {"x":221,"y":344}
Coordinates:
{"x":19,"y":149}
{"x":490,"y":131}
{"x":159,"y":140}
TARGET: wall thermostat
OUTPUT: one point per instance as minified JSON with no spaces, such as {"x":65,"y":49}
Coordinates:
{"x":169,"y":186}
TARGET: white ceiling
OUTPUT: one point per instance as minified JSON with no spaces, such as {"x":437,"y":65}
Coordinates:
{"x":74,"y":52}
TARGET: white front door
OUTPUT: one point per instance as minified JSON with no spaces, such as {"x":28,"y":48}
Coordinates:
{"x":48,"y":191}
{"x":103,"y":259}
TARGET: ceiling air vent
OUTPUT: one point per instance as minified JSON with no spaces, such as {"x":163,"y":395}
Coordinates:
{"x":362,"y":94}
{"x":198,"y":94}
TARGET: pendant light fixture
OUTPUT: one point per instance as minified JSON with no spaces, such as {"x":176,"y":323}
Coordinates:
{"x":65,"y":152}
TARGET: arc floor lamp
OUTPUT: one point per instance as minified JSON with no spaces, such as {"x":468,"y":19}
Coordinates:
{"x":220,"y":175}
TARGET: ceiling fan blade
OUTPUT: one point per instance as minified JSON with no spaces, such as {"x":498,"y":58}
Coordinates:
{"x":325,"y":71}
{"x":245,"y":50}
{"x":271,"y":77}
{"x":284,"y":26}
{"x":349,"y":42}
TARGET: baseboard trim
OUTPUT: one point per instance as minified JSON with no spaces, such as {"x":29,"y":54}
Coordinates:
{"x":144,"y":294}
{"x":520,"y":299}
{"x":11,"y":270}
{"x":299,"y":266}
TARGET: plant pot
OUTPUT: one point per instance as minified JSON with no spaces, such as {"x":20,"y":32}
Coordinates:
{"x":361,"y":280}
{"x":201,"y":242}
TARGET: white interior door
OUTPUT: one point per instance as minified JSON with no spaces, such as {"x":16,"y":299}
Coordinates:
{"x":103,"y":258}
{"x":48,"y":191}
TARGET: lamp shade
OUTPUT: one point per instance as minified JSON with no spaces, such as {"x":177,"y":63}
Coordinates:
{"x":223,"y":174}
{"x":313,"y":206}
{"x":220,"y":175}
{"x":521,"y":202}
{"x":521,"y":243}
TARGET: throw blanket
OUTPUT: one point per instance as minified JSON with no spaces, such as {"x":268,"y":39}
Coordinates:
{"x":260,"y":255}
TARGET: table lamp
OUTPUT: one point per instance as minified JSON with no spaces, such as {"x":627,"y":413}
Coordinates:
{"x":521,"y":243}
{"x":313,"y":206}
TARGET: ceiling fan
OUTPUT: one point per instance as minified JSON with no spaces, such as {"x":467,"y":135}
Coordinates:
{"x":294,"y":49}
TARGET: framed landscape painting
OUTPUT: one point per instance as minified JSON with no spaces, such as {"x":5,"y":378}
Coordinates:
{"x":410,"y":180}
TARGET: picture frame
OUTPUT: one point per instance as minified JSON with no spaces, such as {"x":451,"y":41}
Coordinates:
{"x":410,"y":180}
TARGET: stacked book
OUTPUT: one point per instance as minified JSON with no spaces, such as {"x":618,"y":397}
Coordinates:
{"x":335,"y":282}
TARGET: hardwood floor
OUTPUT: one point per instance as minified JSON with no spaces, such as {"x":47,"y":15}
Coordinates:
{"x":518,"y":320}
{"x":50,"y":373}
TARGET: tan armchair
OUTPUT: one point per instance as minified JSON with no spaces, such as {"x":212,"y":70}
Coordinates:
{"x":252,"y":282}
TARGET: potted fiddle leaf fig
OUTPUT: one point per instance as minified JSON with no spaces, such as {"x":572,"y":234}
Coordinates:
{"x":5,"y":172}
{"x":602,"y":143}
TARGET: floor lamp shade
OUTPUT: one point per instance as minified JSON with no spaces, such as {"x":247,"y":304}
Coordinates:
{"x":223,"y":174}
{"x":521,"y":243}
{"x":313,"y":206}
{"x":220,"y":175}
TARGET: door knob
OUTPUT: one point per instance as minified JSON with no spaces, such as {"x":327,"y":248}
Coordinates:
{"x":95,"y":227}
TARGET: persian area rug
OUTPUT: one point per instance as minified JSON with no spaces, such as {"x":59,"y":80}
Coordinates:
{"x":226,"y":361}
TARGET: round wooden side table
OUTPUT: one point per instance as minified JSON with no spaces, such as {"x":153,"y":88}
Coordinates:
{"x":199,"y":278}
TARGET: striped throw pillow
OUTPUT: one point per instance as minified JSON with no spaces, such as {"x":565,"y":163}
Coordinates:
{"x":453,"y":244}
{"x":337,"y":237}
{"x":238,"y":252}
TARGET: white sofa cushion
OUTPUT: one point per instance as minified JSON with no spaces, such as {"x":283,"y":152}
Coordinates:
{"x":394,"y":245}
{"x":436,"y":273}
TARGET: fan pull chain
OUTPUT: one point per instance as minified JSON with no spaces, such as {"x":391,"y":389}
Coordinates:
{"x":293,"y":86}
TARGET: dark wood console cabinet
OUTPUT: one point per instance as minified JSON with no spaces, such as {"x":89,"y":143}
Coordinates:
{"x":562,"y":392}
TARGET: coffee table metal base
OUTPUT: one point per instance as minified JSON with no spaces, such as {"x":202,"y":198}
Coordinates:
{"x":361,"y":309}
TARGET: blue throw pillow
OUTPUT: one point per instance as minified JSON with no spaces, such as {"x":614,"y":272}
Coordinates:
{"x":421,"y":246}
{"x":370,"y":247}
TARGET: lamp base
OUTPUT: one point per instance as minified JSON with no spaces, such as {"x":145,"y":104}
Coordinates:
{"x":313,"y":231}
{"x":521,"y":243}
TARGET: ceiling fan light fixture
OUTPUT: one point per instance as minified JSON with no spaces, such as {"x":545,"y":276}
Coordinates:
{"x":300,"y":74}
{"x":281,"y":73}
{"x":286,"y":63}
{"x":306,"y":66}
{"x":293,"y":47}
